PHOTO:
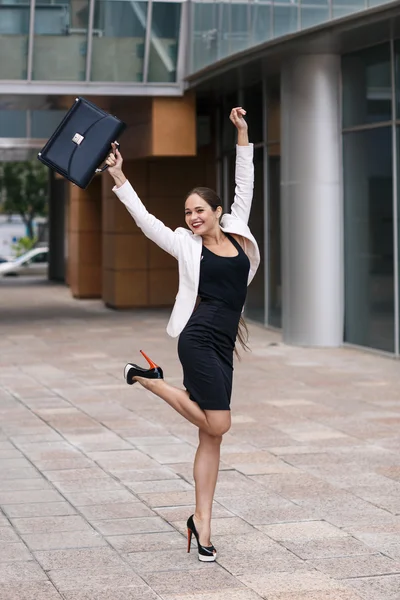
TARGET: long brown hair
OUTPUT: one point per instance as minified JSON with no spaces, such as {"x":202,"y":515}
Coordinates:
{"x":214,"y":201}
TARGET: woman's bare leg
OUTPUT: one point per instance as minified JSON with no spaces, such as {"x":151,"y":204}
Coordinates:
{"x":205,"y":471}
{"x":214,"y":422}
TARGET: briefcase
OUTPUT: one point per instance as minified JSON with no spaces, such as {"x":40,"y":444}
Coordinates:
{"x":81,"y":142}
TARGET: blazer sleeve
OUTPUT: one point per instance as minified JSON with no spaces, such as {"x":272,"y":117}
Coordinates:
{"x":152,"y":228}
{"x":244,"y":180}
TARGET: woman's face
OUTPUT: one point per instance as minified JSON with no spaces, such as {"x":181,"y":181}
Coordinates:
{"x":199,"y":215}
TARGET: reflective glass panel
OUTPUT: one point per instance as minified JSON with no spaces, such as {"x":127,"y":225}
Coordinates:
{"x":224,"y":30}
{"x":164,"y":41}
{"x":118,"y":40}
{"x":341,"y":8}
{"x":14,"y":30}
{"x":369,"y":270}
{"x":45,"y":122}
{"x":255,"y":302}
{"x":367,"y":86}
{"x":397,"y":75}
{"x":12,"y":123}
{"x":314,"y":12}
{"x":260,"y":22}
{"x":205,"y":34}
{"x":285,"y":17}
{"x":59,"y":50}
{"x":274,"y":237}
{"x":239,"y":26}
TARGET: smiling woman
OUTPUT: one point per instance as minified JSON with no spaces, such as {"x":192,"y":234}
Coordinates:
{"x":218,"y":257}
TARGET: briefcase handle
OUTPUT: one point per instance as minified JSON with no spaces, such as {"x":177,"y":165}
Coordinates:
{"x":105,"y":167}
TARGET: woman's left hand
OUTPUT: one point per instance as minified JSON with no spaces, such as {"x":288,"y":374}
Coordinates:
{"x":237,"y":118}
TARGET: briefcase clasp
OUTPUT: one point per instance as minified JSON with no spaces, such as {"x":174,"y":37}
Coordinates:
{"x":78,"y":139}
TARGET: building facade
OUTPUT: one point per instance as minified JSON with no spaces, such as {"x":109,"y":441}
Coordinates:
{"x":320,"y":82}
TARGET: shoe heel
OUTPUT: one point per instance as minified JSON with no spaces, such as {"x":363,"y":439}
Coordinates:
{"x":151,"y":363}
{"x":189,"y":535}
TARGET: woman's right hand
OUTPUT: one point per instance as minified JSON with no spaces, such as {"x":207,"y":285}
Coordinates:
{"x":114,"y":162}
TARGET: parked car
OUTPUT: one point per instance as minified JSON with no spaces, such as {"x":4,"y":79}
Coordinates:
{"x":33,"y":262}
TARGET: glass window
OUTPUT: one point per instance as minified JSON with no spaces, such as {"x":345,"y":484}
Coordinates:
{"x":367,"y":86}
{"x":164,"y":41}
{"x":397,"y":75}
{"x":314,"y":12}
{"x":224,"y":38}
{"x":253,"y":103}
{"x":205,"y":34}
{"x":118,"y":40}
{"x":274,"y":237}
{"x":14,"y":30}
{"x":368,"y":202}
{"x":12,"y":123}
{"x":260,"y":21}
{"x":45,"y":122}
{"x":341,"y":8}
{"x":285,"y":17}
{"x":60,"y":42}
{"x":255,"y":303}
{"x":239,"y":26}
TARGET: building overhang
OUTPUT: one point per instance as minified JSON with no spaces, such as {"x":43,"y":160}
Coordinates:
{"x":68,"y":88}
{"x":347,"y":34}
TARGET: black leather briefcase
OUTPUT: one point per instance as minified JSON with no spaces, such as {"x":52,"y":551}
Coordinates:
{"x":81,"y":142}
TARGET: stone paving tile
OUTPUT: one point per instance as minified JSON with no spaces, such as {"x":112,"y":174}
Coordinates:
{"x":225,"y":594}
{"x":94,"y":497}
{"x":136,"y":593}
{"x":39,"y":509}
{"x":308,"y":492}
{"x":167,"y":485}
{"x":300,"y":532}
{"x":10,"y":552}
{"x":80,"y":558}
{"x":27,"y":591}
{"x":27,"y":497}
{"x":7,"y":534}
{"x":20,"y":485}
{"x":330,"y":548}
{"x":177,"y":513}
{"x":20,"y":571}
{"x":136,"y":525}
{"x":209,"y":577}
{"x":290,"y":582}
{"x":147,"y":542}
{"x":164,"y":560}
{"x":118,"y":510}
{"x":63,"y":540}
{"x":51,"y":524}
{"x":100,"y":579}
{"x":134,"y":475}
{"x":358,"y":566}
{"x":376,"y":588}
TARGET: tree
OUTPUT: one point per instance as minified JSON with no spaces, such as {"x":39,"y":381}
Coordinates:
{"x":24,"y":188}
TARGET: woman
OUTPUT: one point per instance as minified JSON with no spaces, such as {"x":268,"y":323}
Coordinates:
{"x":217,"y":257}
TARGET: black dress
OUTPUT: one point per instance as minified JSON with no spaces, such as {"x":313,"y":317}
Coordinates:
{"x":206,"y":344}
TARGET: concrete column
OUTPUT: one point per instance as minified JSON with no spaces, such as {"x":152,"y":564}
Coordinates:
{"x":57,"y":228}
{"x":84,"y":241}
{"x":312,"y":212}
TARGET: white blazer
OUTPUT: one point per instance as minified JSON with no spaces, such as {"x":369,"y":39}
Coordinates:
{"x":186,"y":246}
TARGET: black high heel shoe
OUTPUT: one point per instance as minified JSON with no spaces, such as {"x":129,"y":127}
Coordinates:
{"x":131,"y":370}
{"x":206,"y":553}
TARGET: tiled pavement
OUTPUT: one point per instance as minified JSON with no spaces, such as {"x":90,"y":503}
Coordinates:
{"x":95,"y":476}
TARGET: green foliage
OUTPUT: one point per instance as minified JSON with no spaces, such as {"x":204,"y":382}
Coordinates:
{"x":24,"y":187}
{"x":23,"y":245}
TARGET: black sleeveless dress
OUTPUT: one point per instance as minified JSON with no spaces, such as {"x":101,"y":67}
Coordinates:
{"x":206,"y":344}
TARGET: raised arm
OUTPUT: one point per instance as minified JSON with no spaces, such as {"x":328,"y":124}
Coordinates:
{"x":244,"y":171}
{"x":152,"y":227}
